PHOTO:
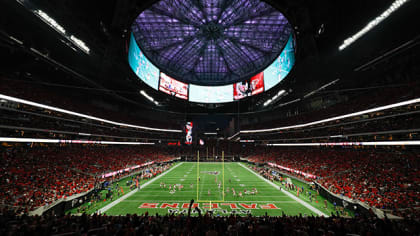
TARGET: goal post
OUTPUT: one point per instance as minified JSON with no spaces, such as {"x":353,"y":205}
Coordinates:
{"x":198,"y":172}
{"x":201,"y":183}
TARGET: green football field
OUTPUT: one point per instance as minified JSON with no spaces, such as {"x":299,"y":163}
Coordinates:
{"x":268,"y":199}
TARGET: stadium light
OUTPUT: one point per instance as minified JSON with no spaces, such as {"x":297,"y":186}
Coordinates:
{"x":38,"y":140}
{"x":150,"y":98}
{"x":60,"y":29}
{"x":80,"y":44}
{"x":35,"y":104}
{"x":395,"y":5}
{"x":210,"y":133}
{"x":50,"y":21}
{"x":280,"y":93}
{"x":289,"y":102}
{"x":16,"y":40}
{"x":380,"y":143}
{"x":321,"y":88}
{"x":399,"y":104}
{"x":231,"y":137}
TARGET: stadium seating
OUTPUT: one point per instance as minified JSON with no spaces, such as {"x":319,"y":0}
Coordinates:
{"x":35,"y":177}
{"x":385,"y":180}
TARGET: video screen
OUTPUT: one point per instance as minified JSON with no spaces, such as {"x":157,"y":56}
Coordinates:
{"x":214,"y":94}
{"x":257,"y":83}
{"x":189,"y":133}
{"x":250,"y":87}
{"x":141,"y":66}
{"x":279,"y":69}
{"x":173,"y":87}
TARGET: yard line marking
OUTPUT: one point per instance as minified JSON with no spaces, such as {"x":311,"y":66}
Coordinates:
{"x":178,"y":178}
{"x":313,"y":209}
{"x":112,"y":204}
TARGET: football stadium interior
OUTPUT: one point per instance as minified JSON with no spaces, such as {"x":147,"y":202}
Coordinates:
{"x":210,"y":117}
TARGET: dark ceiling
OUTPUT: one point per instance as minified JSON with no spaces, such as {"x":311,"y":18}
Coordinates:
{"x":320,"y":27}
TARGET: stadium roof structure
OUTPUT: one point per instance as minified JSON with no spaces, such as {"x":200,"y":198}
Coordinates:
{"x":211,"y":42}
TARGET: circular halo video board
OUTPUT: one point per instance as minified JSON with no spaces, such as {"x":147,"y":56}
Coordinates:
{"x":207,"y":60}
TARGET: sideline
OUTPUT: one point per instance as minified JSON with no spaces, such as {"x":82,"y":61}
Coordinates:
{"x":313,"y":209}
{"x":112,"y":204}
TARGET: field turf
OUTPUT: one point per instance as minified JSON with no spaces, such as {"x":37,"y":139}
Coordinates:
{"x":154,"y":198}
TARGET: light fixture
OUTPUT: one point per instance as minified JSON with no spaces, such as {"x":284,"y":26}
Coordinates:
{"x":60,"y":29}
{"x":275,"y":97}
{"x":80,"y":44}
{"x":381,"y":143}
{"x":150,"y":98}
{"x":38,"y":140}
{"x":321,"y":88}
{"x":395,"y":5}
{"x":50,"y":21}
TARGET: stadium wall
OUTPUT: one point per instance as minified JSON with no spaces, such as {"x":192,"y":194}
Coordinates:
{"x":362,"y":208}
{"x":59,"y":207}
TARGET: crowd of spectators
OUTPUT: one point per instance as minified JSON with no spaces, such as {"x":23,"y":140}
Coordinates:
{"x":202,"y":225}
{"x":385,"y":180}
{"x":34,"y":177}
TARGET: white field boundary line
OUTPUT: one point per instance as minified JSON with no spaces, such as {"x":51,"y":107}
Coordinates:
{"x":203,"y":162}
{"x":254,"y":196}
{"x":195,"y":191}
{"x":313,"y":209}
{"x":112,"y":204}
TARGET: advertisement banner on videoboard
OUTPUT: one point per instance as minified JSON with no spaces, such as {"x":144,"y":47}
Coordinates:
{"x":173,"y":87}
{"x":257,"y":83}
{"x":211,"y":94}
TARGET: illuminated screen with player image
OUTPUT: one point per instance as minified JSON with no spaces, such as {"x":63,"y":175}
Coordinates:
{"x":189,"y":133}
{"x":250,"y":87}
{"x":173,"y":87}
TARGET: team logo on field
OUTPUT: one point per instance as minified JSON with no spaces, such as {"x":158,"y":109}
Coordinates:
{"x":214,"y":206}
{"x":211,"y":172}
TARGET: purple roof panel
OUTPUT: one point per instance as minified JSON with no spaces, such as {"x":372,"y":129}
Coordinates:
{"x":211,"y":42}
